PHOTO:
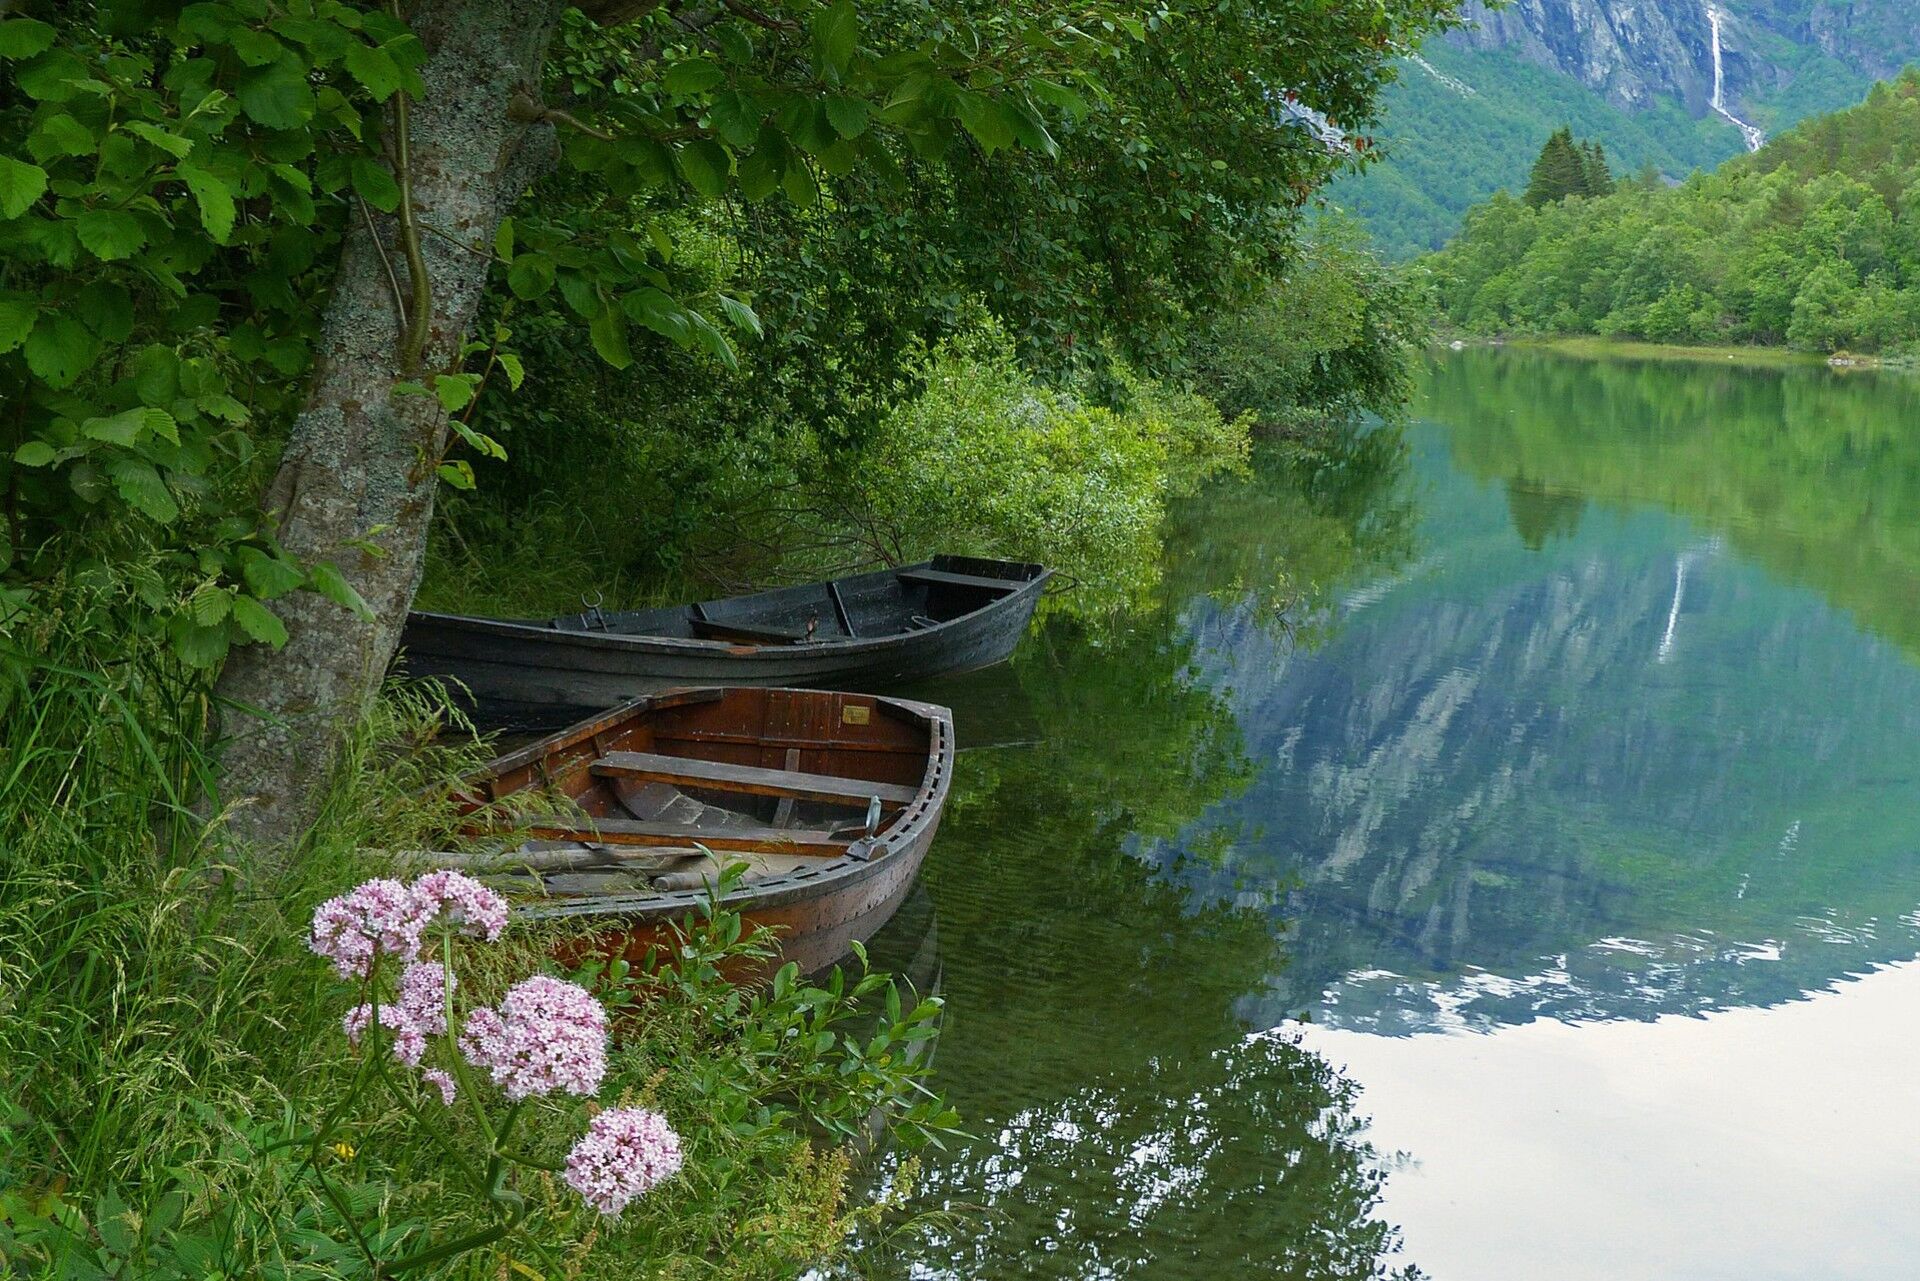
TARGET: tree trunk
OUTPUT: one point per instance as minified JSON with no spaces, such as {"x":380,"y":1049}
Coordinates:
{"x":360,"y":467}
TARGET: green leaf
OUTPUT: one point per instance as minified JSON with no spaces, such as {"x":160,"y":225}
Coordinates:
{"x":156,"y":375}
{"x":981,"y":117}
{"x":171,"y":143}
{"x":59,"y":350}
{"x":704,"y":163}
{"x":259,"y":622}
{"x":375,"y":69}
{"x":483,"y":444}
{"x":197,"y":646}
{"x":530,"y":275}
{"x":849,"y":116}
{"x":110,"y":234}
{"x":214,"y":198}
{"x":269,"y":576}
{"x":1060,"y":96}
{"x":458,"y":473}
{"x":742,"y":316}
{"x":24,"y":38}
{"x":62,"y":135}
{"x":277,"y":96}
{"x":375,"y":184}
{"x":209,"y":604}
{"x":17,"y":315}
{"x":503,"y":240}
{"x":331,"y":583}
{"x":516,"y":372}
{"x":609,"y":332}
{"x":35,"y":453}
{"x":836,"y":31}
{"x":140,"y":485}
{"x":20,"y":185}
{"x":255,"y":48}
{"x":693,"y":75}
{"x":51,"y":77}
{"x":455,"y":391}
{"x":127,"y":426}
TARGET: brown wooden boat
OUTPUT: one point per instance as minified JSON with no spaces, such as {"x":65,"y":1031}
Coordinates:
{"x":829,"y":799}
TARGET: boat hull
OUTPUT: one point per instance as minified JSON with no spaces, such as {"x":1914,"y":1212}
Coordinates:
{"x":532,"y":676}
{"x":821,"y":907}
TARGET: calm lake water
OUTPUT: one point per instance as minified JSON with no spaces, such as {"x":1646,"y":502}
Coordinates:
{"x":1501,"y":860}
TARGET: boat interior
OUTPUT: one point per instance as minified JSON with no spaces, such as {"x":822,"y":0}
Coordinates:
{"x":661,"y":795}
{"x":862,"y":606}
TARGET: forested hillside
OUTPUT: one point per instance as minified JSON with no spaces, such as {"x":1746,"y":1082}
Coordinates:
{"x":1814,"y":241}
{"x":1451,"y":143}
{"x":1467,"y":115}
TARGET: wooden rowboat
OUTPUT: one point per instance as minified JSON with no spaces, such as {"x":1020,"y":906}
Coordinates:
{"x":865,"y":632}
{"x":829,"y":799}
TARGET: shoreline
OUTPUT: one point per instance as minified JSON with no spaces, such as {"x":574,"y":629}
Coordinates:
{"x":1596,"y":348}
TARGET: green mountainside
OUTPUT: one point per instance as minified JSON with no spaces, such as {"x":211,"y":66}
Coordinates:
{"x":1469,"y":113}
{"x":1447,"y":150}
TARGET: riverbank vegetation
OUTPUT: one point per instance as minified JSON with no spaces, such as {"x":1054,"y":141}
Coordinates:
{"x":666,"y":298}
{"x":1813,"y":242}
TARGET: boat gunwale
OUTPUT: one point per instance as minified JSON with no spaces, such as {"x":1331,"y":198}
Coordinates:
{"x":815,"y":879}
{"x":1019,"y":590}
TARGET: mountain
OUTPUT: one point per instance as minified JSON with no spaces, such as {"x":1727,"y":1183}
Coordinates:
{"x":1470,"y":110}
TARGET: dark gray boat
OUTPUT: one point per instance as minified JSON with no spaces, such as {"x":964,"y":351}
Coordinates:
{"x":868,"y":632}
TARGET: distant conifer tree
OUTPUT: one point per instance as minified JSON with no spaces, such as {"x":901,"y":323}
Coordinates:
{"x":1596,"y":176}
{"x":1558,"y":172}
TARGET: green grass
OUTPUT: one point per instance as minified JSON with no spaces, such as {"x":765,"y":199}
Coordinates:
{"x":164,"y":1024}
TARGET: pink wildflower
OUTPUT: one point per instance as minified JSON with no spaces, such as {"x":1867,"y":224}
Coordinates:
{"x":464,"y":902}
{"x":448,"y":1090}
{"x":547,"y":1035}
{"x":377,"y":916}
{"x":409,"y":1042}
{"x":623,"y":1155}
{"x":423,"y":996}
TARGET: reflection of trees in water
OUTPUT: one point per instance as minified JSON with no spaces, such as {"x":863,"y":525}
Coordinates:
{"x":1541,"y":514}
{"x":1245,"y":1161}
{"x":1495,"y":798}
{"x":1092,"y":1038}
{"x":1813,"y":474}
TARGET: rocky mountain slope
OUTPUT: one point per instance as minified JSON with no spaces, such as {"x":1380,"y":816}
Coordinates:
{"x":1470,"y":113}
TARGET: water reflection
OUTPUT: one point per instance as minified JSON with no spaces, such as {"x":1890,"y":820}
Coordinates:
{"x":1587,"y":768}
{"x":1608,"y":716}
{"x":1093,"y":1039}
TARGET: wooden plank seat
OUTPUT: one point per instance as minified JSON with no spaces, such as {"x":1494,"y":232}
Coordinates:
{"x":627,"y":831}
{"x":720,"y":629}
{"x":682,"y":771}
{"x":944,"y":578}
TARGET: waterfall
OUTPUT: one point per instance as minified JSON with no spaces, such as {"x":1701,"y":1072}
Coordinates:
{"x":1752,"y":135}
{"x":1673,"y":614}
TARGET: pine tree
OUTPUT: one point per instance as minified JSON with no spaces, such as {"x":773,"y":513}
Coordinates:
{"x":1596,"y":176}
{"x":1558,"y":172}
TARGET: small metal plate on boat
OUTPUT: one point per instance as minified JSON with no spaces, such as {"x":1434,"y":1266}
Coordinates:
{"x":853,"y":715}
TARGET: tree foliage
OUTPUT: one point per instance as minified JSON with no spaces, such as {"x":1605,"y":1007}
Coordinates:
{"x":1811,"y":242}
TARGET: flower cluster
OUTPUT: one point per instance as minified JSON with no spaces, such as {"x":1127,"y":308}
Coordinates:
{"x":382,"y":916}
{"x":463,"y":902}
{"x":419,"y":1012}
{"x":547,"y":1035}
{"x":448,"y":1090}
{"x":624,"y":1153}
